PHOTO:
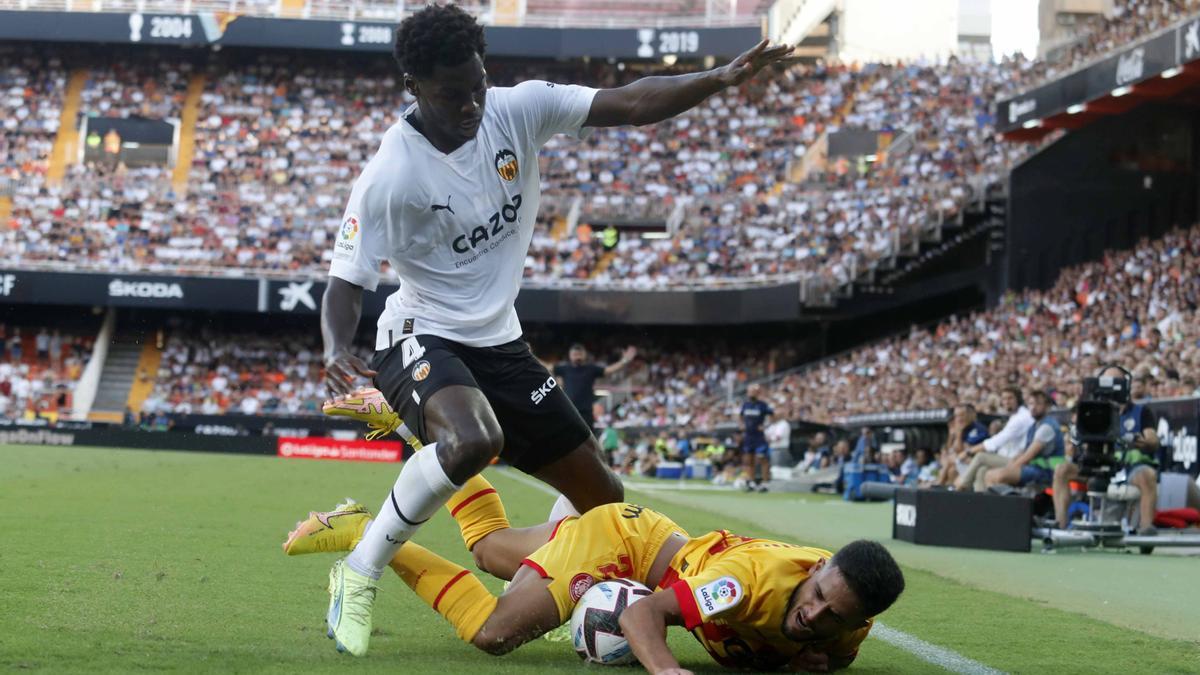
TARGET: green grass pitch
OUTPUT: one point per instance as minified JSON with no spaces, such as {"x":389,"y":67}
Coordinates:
{"x":126,"y":561}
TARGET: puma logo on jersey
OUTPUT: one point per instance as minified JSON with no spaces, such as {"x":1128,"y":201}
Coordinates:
{"x":539,"y":394}
{"x":440,"y":207}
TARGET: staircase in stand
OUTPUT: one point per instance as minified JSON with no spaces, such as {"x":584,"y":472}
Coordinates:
{"x":117,"y":378}
{"x":187,"y":134}
{"x":66,"y":142}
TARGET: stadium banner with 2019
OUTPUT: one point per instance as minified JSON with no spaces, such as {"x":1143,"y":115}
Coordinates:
{"x":230,"y":30}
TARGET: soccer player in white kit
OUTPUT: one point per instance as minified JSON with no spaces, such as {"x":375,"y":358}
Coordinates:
{"x":450,"y":201}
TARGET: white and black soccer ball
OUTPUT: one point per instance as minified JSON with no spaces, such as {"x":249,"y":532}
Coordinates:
{"x":595,"y":628}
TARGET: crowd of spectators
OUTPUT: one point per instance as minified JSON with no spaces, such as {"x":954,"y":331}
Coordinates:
{"x":31,"y":93}
{"x":278,"y":141}
{"x":1129,"y":20}
{"x":210,"y":373}
{"x":1139,"y":307}
{"x":38,"y":370}
{"x":150,"y":86}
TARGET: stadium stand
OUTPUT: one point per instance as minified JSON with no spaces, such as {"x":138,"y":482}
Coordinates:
{"x":1140,"y":307}
{"x":31,"y":89}
{"x":275,"y":149}
{"x":249,"y":373}
{"x":39,"y":366}
{"x":1128,"y":21}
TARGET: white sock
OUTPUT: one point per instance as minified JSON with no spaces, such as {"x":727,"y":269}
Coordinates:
{"x":420,"y":491}
{"x":562,"y":508}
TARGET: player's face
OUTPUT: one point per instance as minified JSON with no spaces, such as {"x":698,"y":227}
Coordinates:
{"x":577,"y":356}
{"x":822,"y":607}
{"x":754,"y":390}
{"x":452,"y":99}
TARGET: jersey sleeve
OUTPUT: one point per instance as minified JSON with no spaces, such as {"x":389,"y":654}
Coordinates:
{"x":721,"y":591}
{"x":359,"y":245}
{"x":544,"y":109}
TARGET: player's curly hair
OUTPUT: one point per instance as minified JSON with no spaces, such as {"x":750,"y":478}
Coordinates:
{"x":872,"y":573}
{"x":437,"y":35}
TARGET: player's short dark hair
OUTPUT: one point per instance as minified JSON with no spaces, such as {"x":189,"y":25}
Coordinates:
{"x":438,"y":35}
{"x":1042,"y":396}
{"x":1015,"y":391}
{"x":967,"y":406}
{"x":871,"y":573}
{"x":579,"y":346}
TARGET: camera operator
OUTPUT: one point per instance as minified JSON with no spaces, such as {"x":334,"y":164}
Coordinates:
{"x":1000,"y":449}
{"x":1045,"y":446}
{"x":1137,"y":456}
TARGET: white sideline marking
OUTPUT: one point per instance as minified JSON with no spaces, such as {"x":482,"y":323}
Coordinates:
{"x":531,"y":482}
{"x":931,"y":653}
{"x":928,"y":652}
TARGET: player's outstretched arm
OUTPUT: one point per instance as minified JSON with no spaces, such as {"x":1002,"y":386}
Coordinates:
{"x":341,"y":309}
{"x":654,"y":99}
{"x":644,"y":624}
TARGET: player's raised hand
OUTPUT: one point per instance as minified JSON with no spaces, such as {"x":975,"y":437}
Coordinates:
{"x":342,"y":371}
{"x":753,"y":60}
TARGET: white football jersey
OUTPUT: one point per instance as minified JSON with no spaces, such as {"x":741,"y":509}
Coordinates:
{"x":456,"y":227}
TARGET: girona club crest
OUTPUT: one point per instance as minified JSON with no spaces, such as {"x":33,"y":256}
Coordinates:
{"x":580,"y":583}
{"x":506,"y":165}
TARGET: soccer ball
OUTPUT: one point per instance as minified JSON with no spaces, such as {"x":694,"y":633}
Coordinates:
{"x":595,"y":631}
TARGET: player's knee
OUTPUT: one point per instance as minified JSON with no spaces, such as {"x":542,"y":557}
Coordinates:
{"x":472,"y":449}
{"x":494,"y":560}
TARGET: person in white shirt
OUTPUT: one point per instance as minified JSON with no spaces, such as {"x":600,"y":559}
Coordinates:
{"x":998,"y":450}
{"x":449,"y":201}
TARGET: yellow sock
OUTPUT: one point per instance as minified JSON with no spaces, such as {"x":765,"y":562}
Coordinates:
{"x":449,"y":589}
{"x":478,"y":510}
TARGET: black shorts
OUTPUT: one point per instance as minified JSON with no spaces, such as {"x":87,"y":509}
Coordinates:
{"x":539,"y":423}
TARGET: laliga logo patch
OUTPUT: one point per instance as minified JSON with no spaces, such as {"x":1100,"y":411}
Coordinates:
{"x":718,"y":596}
{"x":421,"y":371}
{"x":348,"y":236}
{"x":580,"y":583}
{"x":506,"y":165}
{"x":727,"y":592}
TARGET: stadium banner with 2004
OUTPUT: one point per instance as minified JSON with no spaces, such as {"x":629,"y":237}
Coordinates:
{"x":231,"y":30}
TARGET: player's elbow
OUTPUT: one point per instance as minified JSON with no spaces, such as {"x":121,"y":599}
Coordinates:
{"x":496,"y":644}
